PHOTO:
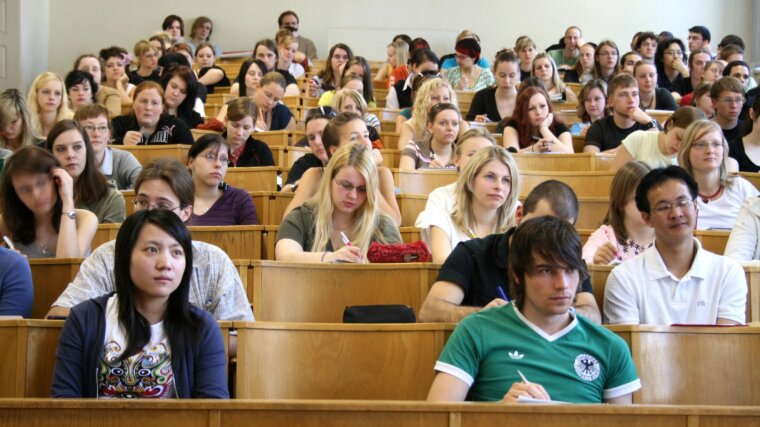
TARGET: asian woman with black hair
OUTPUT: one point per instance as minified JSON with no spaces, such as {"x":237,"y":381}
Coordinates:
{"x":146,"y":340}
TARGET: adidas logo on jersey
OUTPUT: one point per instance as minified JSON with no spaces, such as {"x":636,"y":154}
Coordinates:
{"x":515,"y":355}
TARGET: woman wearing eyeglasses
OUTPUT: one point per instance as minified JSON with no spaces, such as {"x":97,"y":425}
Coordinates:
{"x":704,"y":154}
{"x":339,"y":224}
{"x":216,"y":203}
{"x":670,"y":60}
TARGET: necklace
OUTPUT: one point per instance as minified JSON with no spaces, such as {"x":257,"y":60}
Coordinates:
{"x":648,"y":106}
{"x":341,"y":229}
{"x":44,"y":247}
{"x":706,"y":199}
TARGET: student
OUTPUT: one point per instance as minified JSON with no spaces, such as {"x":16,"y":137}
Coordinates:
{"x":200,"y":32}
{"x":449,"y":61}
{"x":266,"y":52}
{"x":533,"y":128}
{"x":657,"y":149}
{"x":623,"y":233}
{"x":71,"y":146}
{"x":492,"y":104}
{"x":701,"y":99}
{"x":306,"y":49}
{"x":545,"y":272}
{"x":251,"y":71}
{"x":209,"y":75}
{"x":436,"y":150}
{"x":272,"y":115}
{"x":147,"y":124}
{"x":485,"y":198}
{"x":147,"y":59}
{"x":627,"y":117}
{"x":216,"y":203}
{"x":699,"y":38}
{"x":329,"y":78}
{"x":146,"y":340}
{"x":469,"y":279}
{"x":713,"y":71}
{"x":567,"y":57}
{"x":545,"y":70}
{"x":432,"y":92}
{"x":606,"y":64}
{"x":48,"y":103}
{"x":628,"y":61}
{"x":119,"y":167}
{"x":704,"y":154}
{"x":421,"y":61}
{"x":467,"y":75}
{"x":174,"y":27}
{"x":646,"y":46}
{"x":676,"y":280}
{"x":80,"y":87}
{"x":37,"y":205}
{"x":583,"y":70}
{"x":670,"y":62}
{"x":16,"y":289}
{"x":245,"y":150}
{"x":652,"y":97}
{"x":744,"y":241}
{"x":181,"y":95}
{"x":344,"y":129}
{"x":115,"y":73}
{"x":214,"y":281}
{"x":340,"y":223}
{"x":104,"y":95}
{"x":15,"y":123}
{"x":728,"y":98}
{"x":698,"y":58}
{"x":740,"y":71}
{"x":592,"y":106}
{"x":746,"y":150}
{"x":396,"y":54}
{"x":287,"y":45}
{"x":526,"y":51}
{"x":348,"y":100}
{"x":315,"y":123}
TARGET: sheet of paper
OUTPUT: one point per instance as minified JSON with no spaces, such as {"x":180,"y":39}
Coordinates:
{"x":524,"y":399}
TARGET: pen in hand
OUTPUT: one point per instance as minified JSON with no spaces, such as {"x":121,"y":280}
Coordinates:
{"x":502,"y":294}
{"x":524,"y":380}
{"x":345,"y":241}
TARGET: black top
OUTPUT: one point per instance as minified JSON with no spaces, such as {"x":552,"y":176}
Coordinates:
{"x":223,"y":82}
{"x":681,"y":85}
{"x":404,"y":96}
{"x":301,"y":165}
{"x":735,"y":133}
{"x":136,"y":79}
{"x":479,"y":266}
{"x":484,"y":102}
{"x":281,"y":116}
{"x":736,"y":150}
{"x":255,"y":153}
{"x":571,"y":76}
{"x":191,"y":118}
{"x":524,"y":75}
{"x":663,"y":100}
{"x":289,"y":79}
{"x":605,"y":135}
{"x":169,"y":130}
{"x":557,"y":128}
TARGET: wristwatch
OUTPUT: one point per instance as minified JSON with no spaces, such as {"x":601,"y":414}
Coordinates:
{"x":654,"y":124}
{"x":70,"y":214}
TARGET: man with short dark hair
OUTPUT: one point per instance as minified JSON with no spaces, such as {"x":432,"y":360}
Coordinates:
{"x":567,"y":57}
{"x":306,"y":49}
{"x":627,"y":117}
{"x":728,"y":99}
{"x":674,"y":281}
{"x":646,"y":46}
{"x":699,"y":38}
{"x":536,"y":346}
{"x":215,"y":285}
{"x":471,"y":277}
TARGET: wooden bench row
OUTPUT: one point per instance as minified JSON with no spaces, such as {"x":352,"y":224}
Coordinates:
{"x":677,"y":365}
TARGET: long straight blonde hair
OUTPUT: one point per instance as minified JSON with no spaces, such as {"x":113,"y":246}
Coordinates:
{"x":462,"y":214}
{"x":365,"y":225}
{"x":34,"y":106}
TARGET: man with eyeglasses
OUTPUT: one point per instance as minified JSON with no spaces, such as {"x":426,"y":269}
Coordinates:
{"x":676,"y":280}
{"x":699,"y":38}
{"x":215,"y":284}
{"x":607,"y":133}
{"x":728,"y":99}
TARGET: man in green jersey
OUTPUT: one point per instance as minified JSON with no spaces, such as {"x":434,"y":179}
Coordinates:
{"x":535,"y":346}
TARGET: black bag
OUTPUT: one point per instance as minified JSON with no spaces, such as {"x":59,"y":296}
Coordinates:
{"x":388,"y":313}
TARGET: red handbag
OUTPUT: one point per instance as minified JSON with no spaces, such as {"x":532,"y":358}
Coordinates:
{"x":398,"y":252}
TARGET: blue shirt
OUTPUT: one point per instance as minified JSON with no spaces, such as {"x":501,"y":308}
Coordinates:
{"x":16,"y":290}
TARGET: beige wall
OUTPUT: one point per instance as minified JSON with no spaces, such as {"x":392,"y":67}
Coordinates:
{"x":79,"y":26}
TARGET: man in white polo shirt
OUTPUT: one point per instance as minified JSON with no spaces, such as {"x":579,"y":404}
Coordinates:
{"x":676,"y":280}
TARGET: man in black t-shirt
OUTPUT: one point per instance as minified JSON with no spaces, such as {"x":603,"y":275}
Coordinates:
{"x":623,"y":97}
{"x":728,"y":98}
{"x":470,"y":278}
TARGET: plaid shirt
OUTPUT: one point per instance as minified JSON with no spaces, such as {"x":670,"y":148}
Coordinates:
{"x":215,"y":284}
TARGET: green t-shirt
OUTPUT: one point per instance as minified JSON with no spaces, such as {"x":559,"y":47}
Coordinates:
{"x":583,"y":363}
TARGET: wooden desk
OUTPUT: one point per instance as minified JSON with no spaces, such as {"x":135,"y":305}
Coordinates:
{"x":366,"y":413}
{"x":105,"y":233}
{"x":423,"y":181}
{"x":695,"y":365}
{"x":276,"y":137}
{"x":713,"y":240}
{"x":27,"y":358}
{"x":585,"y":184}
{"x":337,"y":361}
{"x":253,"y":178}
{"x":578,"y":162}
{"x":146,"y":153}
{"x":50,"y":277}
{"x":301,"y":292}
{"x":237,"y":241}
{"x":410,"y":206}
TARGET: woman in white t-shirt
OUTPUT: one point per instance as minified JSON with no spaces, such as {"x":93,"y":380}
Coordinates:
{"x":657,"y":149}
{"x":704,"y":154}
{"x":485,"y":199}
{"x":146,"y":340}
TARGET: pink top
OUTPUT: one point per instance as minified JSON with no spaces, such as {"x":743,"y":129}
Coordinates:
{"x":605,"y":234}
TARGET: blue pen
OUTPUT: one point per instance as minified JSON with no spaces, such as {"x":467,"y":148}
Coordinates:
{"x":502,"y":294}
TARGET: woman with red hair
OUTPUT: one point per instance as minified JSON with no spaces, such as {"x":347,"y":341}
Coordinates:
{"x":533,"y":127}
{"x":467,"y":75}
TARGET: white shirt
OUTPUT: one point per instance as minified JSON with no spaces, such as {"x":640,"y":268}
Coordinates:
{"x":744,"y":242}
{"x":643,"y":146}
{"x":721,"y":213}
{"x":643,"y":291}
